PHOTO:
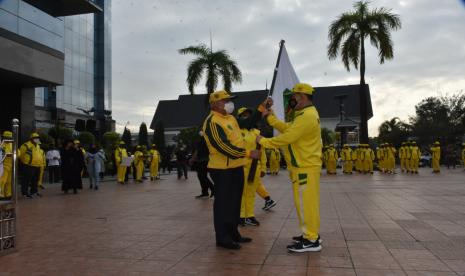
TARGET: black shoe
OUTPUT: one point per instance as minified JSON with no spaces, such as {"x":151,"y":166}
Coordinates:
{"x":297,"y":239}
{"x":229,"y":245}
{"x":269,"y":204}
{"x":305,"y":246}
{"x":74,"y":191}
{"x":28,"y":196}
{"x":243,"y":240}
{"x":252,"y":221}
{"x":242,"y":221}
{"x":91,"y":186}
{"x":37,"y":195}
{"x":42,"y":187}
{"x":212,"y":195}
{"x":96,"y":188}
{"x":202,"y":196}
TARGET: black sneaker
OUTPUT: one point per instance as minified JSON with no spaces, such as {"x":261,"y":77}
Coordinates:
{"x":229,"y":245}
{"x":37,"y":195}
{"x":269,"y":204}
{"x":242,"y":221}
{"x":91,"y":186}
{"x":28,"y":196}
{"x":96,"y":188}
{"x":305,"y":246}
{"x":202,"y":196}
{"x":298,"y":239}
{"x":243,"y":240}
{"x":252,"y":221}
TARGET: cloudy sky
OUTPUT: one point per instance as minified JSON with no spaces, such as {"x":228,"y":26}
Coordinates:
{"x":429,"y":50}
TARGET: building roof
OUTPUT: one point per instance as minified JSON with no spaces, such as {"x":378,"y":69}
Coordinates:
{"x":191,"y":110}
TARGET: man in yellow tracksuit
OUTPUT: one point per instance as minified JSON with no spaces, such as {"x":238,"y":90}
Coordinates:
{"x":275,"y":159}
{"x":369,"y":158}
{"x":31,"y":160}
{"x":331,"y":161}
{"x":120,"y":153}
{"x":408,"y":156}
{"x":43,"y":164}
{"x":5,"y":179}
{"x":346,"y":156}
{"x":250,"y":187}
{"x":154,"y":162}
{"x":227,"y":157}
{"x":415,"y":155}
{"x":324,"y":157}
{"x":302,"y":137}
{"x":380,"y":157}
{"x":139,"y":163}
{"x":391,"y":158}
{"x":436,"y":157}
{"x":403,"y":157}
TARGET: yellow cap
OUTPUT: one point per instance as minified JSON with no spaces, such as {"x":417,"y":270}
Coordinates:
{"x":437,"y":143}
{"x":220,"y":95}
{"x":153,"y":145}
{"x":303,"y":88}
{"x":7,"y":134}
{"x":34,"y":135}
{"x":345,"y":145}
{"x":122,"y":143}
{"x":77,"y":141}
{"x":242,"y":110}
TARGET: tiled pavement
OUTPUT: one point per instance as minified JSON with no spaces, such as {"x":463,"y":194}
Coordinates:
{"x":371,"y":225}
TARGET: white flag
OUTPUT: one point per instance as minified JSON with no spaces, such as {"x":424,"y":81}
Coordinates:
{"x":286,"y":78}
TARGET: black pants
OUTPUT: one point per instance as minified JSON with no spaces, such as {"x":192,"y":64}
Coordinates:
{"x":182,"y":169}
{"x":227,"y":205}
{"x":202,"y":172}
{"x":54,"y":174}
{"x":30,"y":180}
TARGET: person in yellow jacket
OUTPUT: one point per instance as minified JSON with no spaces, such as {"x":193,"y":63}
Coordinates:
{"x":415,"y":156}
{"x":42,"y":169}
{"x":380,"y":157}
{"x":139,"y":163}
{"x":331,"y":161}
{"x":227,"y":157}
{"x":31,"y":159}
{"x":120,"y":153}
{"x":369,"y":158}
{"x":302,"y":137}
{"x":408,"y":156}
{"x":390,"y":158}
{"x":324,"y":157}
{"x":403,"y":157}
{"x":250,"y":187}
{"x":155,"y":159}
{"x":275,"y":159}
{"x":436,"y":157}
{"x":360,"y":158}
{"x":346,"y":156}
{"x":5,"y":178}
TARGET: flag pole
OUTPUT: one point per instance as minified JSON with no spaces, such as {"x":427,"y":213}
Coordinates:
{"x":275,"y":73}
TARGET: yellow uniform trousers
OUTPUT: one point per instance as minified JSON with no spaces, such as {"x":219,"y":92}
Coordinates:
{"x":274,"y":166}
{"x":248,"y":193}
{"x":262,"y":191}
{"x":331,"y":166}
{"x":435,"y":165}
{"x":154,"y":168}
{"x":121,"y":173}
{"x":306,"y":188}
{"x":5,"y":182}
{"x":41,"y":178}
{"x":404,"y":164}
{"x":348,"y":166}
{"x":139,"y":171}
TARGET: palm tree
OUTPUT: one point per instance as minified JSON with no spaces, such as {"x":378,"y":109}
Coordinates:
{"x":214,"y":65}
{"x":347,"y":36}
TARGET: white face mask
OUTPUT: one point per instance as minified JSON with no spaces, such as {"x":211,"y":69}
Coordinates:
{"x":36,"y":140}
{"x":229,"y":107}
{"x":201,"y":133}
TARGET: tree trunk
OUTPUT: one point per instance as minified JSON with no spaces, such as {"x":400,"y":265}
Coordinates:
{"x":363,"y":138}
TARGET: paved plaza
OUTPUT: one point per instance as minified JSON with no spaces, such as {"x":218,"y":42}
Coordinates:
{"x":371,"y":225}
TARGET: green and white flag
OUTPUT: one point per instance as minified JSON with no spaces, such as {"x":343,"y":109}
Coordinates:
{"x":284,"y":79}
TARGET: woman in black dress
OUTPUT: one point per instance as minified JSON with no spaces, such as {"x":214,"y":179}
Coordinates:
{"x":72,"y":163}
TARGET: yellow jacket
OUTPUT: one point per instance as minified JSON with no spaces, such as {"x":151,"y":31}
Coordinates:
{"x":332,"y":154}
{"x":415,"y":153}
{"x":155,"y":156}
{"x":302,"y":137}
{"x":379,"y":153}
{"x":43,"y":161}
{"x":224,"y":141}
{"x":8,"y":148}
{"x":346,"y":154}
{"x":138,"y":157}
{"x":250,"y":137}
{"x":436,"y":152}
{"x":275,"y":154}
{"x":30,"y":154}
{"x":119,"y":154}
{"x":402,"y":152}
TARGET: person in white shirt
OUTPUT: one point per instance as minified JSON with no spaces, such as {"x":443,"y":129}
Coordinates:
{"x":53,"y":161}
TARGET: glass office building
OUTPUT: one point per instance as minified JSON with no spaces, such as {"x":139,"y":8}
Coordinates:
{"x":57,"y":62}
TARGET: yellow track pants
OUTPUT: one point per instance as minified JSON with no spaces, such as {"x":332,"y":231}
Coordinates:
{"x":274,"y":166}
{"x":262,"y":191}
{"x":248,"y":194}
{"x":404,"y":164}
{"x":121,"y":173}
{"x":348,"y":166}
{"x":154,"y":169}
{"x":435,"y":165}
{"x":41,"y":177}
{"x":331,"y":166}
{"x":5,"y":182}
{"x":139,"y":171}
{"x":306,"y":188}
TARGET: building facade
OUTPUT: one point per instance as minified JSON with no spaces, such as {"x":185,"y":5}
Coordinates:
{"x":58,"y":63}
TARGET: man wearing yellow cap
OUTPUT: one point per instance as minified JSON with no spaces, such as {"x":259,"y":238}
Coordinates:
{"x":139,"y":163}
{"x":415,"y":156}
{"x":346,"y":156}
{"x":31,"y":160}
{"x":436,"y":157}
{"x":154,"y":162}
{"x":331,"y":160}
{"x":227,"y":157}
{"x":120,"y":153}
{"x":302,"y":136}
{"x":5,"y":178}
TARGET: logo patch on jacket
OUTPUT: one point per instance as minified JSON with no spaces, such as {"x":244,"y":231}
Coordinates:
{"x":230,"y":127}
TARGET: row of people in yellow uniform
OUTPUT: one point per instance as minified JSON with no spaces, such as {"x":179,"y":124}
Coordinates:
{"x":139,"y":160}
{"x":362,"y":158}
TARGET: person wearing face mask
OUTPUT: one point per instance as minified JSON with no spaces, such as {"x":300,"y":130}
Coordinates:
{"x":302,"y":137}
{"x":120,"y":153}
{"x":5,"y":178}
{"x":31,"y":160}
{"x":227,"y":157}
